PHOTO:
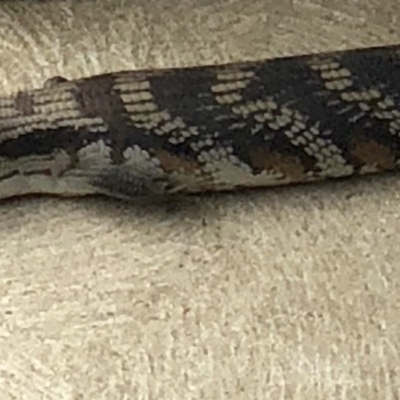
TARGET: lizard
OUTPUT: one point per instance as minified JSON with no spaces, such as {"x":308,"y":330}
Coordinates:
{"x":188,"y":130}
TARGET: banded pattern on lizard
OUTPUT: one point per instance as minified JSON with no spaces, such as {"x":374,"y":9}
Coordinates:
{"x":205,"y":128}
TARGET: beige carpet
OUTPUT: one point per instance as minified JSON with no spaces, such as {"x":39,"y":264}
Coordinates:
{"x":281,"y":294}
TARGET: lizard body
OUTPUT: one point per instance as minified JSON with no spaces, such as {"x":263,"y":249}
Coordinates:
{"x":205,"y":128}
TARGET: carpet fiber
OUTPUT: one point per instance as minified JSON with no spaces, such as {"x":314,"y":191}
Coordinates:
{"x":290,"y":293}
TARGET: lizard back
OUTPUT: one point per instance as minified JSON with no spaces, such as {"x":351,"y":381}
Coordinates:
{"x":205,"y":128}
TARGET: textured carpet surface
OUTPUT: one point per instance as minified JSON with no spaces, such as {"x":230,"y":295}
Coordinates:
{"x":282,"y":294}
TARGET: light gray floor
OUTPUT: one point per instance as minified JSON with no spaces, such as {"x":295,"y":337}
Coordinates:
{"x":288,"y":293}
